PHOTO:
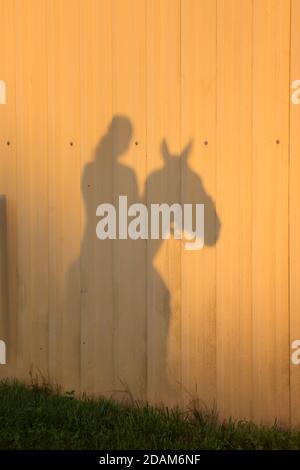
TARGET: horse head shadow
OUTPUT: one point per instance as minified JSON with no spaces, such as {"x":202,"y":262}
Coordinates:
{"x":177,"y":183}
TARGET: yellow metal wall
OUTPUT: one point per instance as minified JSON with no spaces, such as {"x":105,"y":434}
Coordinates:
{"x":93,"y":316}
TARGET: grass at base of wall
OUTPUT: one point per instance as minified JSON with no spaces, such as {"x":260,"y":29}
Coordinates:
{"x":36,"y":417}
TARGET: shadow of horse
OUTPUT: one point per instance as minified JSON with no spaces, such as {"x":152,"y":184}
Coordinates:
{"x":174,"y":183}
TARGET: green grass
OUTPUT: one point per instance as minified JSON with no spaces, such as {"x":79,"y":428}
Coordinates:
{"x":35,"y":417}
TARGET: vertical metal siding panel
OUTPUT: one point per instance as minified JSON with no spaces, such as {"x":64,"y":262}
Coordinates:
{"x":65,"y":195}
{"x":32,"y":188}
{"x":294,"y":212}
{"x":234,"y":205}
{"x":8,"y":146}
{"x":270,"y":211}
{"x":198,"y":104}
{"x":129,"y":173}
{"x":97,"y":360}
{"x":164,"y":185}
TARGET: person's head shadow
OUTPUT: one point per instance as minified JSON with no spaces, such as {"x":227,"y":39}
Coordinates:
{"x":117,"y":138}
{"x":106,"y":176}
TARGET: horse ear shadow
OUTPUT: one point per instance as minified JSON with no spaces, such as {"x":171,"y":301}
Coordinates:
{"x":165,"y":150}
{"x":187,"y":150}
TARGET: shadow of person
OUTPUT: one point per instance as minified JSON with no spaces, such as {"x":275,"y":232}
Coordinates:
{"x":174,"y":183}
{"x":108,"y":337}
